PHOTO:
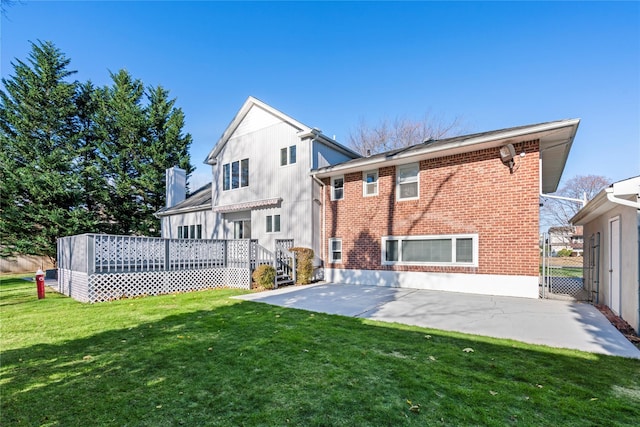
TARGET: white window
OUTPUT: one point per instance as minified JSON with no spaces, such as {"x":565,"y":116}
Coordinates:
{"x":226,"y":177}
{"x":335,"y":250}
{"x":244,"y":173}
{"x":459,"y":249}
{"x":190,"y":231}
{"x":288,"y":155}
{"x":273,"y":223}
{"x":337,"y":188}
{"x":235,"y":174}
{"x":407,"y":181}
{"x":370,"y":183}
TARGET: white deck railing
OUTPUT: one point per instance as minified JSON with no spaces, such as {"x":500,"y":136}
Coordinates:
{"x":103,"y":253}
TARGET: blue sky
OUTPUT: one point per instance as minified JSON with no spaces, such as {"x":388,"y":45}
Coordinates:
{"x":332,"y":65}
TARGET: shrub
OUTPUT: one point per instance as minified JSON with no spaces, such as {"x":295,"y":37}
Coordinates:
{"x":565,"y":252}
{"x":264,"y":275}
{"x":304,"y":269}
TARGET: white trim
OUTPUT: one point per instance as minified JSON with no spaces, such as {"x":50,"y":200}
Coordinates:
{"x":474,"y":238}
{"x":483,"y":284}
{"x":409,"y":181}
{"x":333,"y":180}
{"x":365,"y":183}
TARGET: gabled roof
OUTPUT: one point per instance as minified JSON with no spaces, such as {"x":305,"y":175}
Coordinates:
{"x":304,"y":131}
{"x":555,"y":143}
{"x":199,"y":200}
{"x":625,"y":192}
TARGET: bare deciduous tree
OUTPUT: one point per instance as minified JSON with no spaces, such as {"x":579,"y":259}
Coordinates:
{"x":400,"y":132}
{"x":559,"y":212}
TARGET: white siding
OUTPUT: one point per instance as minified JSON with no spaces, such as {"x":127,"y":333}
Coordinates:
{"x":323,"y":155}
{"x":629,"y":230}
{"x":205,"y":218}
{"x":255,"y":120}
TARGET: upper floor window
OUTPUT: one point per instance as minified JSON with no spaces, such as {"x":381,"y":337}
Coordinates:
{"x":370,"y":183}
{"x":337,"y":188}
{"x":407,"y":181}
{"x":235,"y":174}
{"x":288,"y":155}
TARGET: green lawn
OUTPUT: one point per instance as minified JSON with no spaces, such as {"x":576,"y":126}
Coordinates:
{"x":205,"y":359}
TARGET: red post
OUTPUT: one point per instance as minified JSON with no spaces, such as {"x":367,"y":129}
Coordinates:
{"x":40,"y":283}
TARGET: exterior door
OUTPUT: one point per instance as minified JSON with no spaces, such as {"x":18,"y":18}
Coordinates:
{"x":242,"y":229}
{"x":614,"y":264}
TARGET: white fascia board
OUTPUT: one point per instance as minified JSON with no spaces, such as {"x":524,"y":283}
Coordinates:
{"x":464,"y":145}
{"x":627,"y":187}
{"x":250,"y":102}
{"x":184,"y":210}
{"x":595,"y":207}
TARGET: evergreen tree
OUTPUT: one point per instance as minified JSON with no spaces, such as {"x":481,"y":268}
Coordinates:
{"x":167,"y":147}
{"x":40,"y":188}
{"x":88,"y":163}
{"x":121,"y":122}
{"x":79,"y":159}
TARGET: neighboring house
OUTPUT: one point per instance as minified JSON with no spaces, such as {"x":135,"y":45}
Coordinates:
{"x":611,"y":223}
{"x":261,"y":187}
{"x":566,"y":237}
{"x":459,"y":214}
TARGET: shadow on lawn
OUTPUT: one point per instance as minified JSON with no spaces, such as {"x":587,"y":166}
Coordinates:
{"x":252,"y":364}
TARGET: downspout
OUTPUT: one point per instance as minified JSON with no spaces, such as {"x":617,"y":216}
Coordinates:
{"x":324,"y":207}
{"x":549,"y":196}
{"x":315,"y":178}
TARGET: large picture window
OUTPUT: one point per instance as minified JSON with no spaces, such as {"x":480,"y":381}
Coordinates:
{"x":407,"y":187}
{"x":460,"y":249}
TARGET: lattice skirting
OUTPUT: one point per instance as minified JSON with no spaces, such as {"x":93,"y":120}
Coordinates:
{"x":566,"y":285}
{"x":112,"y":286}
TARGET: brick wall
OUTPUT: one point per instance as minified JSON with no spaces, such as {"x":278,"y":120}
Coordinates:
{"x":464,"y":193}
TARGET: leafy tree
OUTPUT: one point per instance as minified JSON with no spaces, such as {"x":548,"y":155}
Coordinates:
{"x":558,"y":212}
{"x":40,"y":189}
{"x":399,"y":133}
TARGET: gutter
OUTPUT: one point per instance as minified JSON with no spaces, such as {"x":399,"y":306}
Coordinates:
{"x":479,"y":142}
{"x":612,"y":198}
